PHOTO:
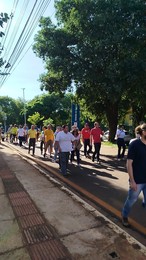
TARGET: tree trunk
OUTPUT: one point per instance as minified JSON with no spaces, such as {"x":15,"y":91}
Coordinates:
{"x":112,"y":118}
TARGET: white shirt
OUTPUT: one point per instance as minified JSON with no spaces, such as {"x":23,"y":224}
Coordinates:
{"x":65,"y":141}
{"x":20,"y":132}
{"x":120,"y":133}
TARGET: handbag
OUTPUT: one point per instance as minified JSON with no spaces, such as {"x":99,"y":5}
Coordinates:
{"x":79,"y":146}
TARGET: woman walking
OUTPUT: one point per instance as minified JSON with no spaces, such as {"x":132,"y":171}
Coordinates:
{"x":76,"y":146}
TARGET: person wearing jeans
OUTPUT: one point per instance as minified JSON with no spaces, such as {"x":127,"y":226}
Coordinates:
{"x":97,"y":147}
{"x":132,"y":198}
{"x":85,"y":133}
{"x":20,"y":134}
{"x":76,"y":148}
{"x":95,"y":137}
{"x":32,"y":139}
{"x":136,"y":167}
{"x":58,"y":129}
{"x":63,"y":143}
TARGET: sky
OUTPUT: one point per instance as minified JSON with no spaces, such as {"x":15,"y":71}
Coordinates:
{"x":25,"y":74}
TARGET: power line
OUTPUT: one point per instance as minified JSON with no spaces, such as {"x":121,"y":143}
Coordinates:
{"x":15,"y":30}
{"x":28,"y":29}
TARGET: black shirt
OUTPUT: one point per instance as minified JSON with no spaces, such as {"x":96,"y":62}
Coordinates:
{"x":137,"y":153}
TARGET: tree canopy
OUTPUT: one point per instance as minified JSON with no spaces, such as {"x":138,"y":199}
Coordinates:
{"x":99,"y":47}
{"x":12,"y":109}
{"x":50,"y":107}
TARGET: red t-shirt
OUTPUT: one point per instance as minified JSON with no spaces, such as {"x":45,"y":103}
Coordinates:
{"x":96,"y":132}
{"x":86,"y":133}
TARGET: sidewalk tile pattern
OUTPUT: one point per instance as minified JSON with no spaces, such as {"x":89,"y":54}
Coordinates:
{"x":39,"y":238}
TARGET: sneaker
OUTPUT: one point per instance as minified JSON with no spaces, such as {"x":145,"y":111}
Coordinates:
{"x":65,"y":174}
{"x":44,"y":155}
{"x":125,"y":222}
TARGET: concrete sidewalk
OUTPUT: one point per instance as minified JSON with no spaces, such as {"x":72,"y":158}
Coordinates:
{"x":77,"y":230}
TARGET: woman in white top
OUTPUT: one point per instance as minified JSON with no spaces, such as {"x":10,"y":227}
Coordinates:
{"x":20,"y":134}
{"x":120,"y":142}
{"x":76,"y":147}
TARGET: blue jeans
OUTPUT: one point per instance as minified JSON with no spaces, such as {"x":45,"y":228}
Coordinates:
{"x":63,"y":161}
{"x":77,"y":154}
{"x":55,"y":153}
{"x":132,"y":198}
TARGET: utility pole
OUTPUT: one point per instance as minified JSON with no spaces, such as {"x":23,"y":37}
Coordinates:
{"x":24,"y":105}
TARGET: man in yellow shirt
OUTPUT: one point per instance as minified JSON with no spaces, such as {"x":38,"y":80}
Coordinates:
{"x":13,"y":133}
{"x":49,"y":139}
{"x":32,"y":134}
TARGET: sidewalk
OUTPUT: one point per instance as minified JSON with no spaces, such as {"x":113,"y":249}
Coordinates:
{"x":40,"y":219}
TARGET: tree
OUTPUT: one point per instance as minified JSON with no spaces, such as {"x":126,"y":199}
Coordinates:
{"x":51,"y":106}
{"x":98,"y":45}
{"x":35,"y":119}
{"x":12,"y":108}
{"x":48,"y":121}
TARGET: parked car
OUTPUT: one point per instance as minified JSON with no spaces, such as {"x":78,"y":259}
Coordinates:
{"x":127,"y":137}
{"x":105,"y":136}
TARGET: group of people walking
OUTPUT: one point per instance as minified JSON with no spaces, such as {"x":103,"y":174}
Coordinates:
{"x":67,"y":144}
{"x":48,"y":138}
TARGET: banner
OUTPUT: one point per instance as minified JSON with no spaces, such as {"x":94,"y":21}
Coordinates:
{"x":75,"y":120}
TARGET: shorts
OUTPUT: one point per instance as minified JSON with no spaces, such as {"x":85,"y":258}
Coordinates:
{"x":48,"y":143}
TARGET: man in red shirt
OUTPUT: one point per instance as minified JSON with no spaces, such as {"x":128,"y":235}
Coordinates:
{"x":85,"y":132}
{"x":95,"y":138}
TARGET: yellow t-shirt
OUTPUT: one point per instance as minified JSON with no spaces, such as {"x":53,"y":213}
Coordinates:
{"x":32,"y":133}
{"x":49,"y":135}
{"x":14,"y":130}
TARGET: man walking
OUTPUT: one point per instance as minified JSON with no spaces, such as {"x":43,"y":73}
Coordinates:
{"x":95,"y":137}
{"x":63,"y":142}
{"x":20,"y":133}
{"x":32,"y":139}
{"x":85,"y":133}
{"x":136,"y":167}
{"x":49,"y":139}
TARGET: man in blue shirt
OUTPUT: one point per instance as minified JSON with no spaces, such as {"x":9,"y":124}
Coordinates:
{"x":136,"y":167}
